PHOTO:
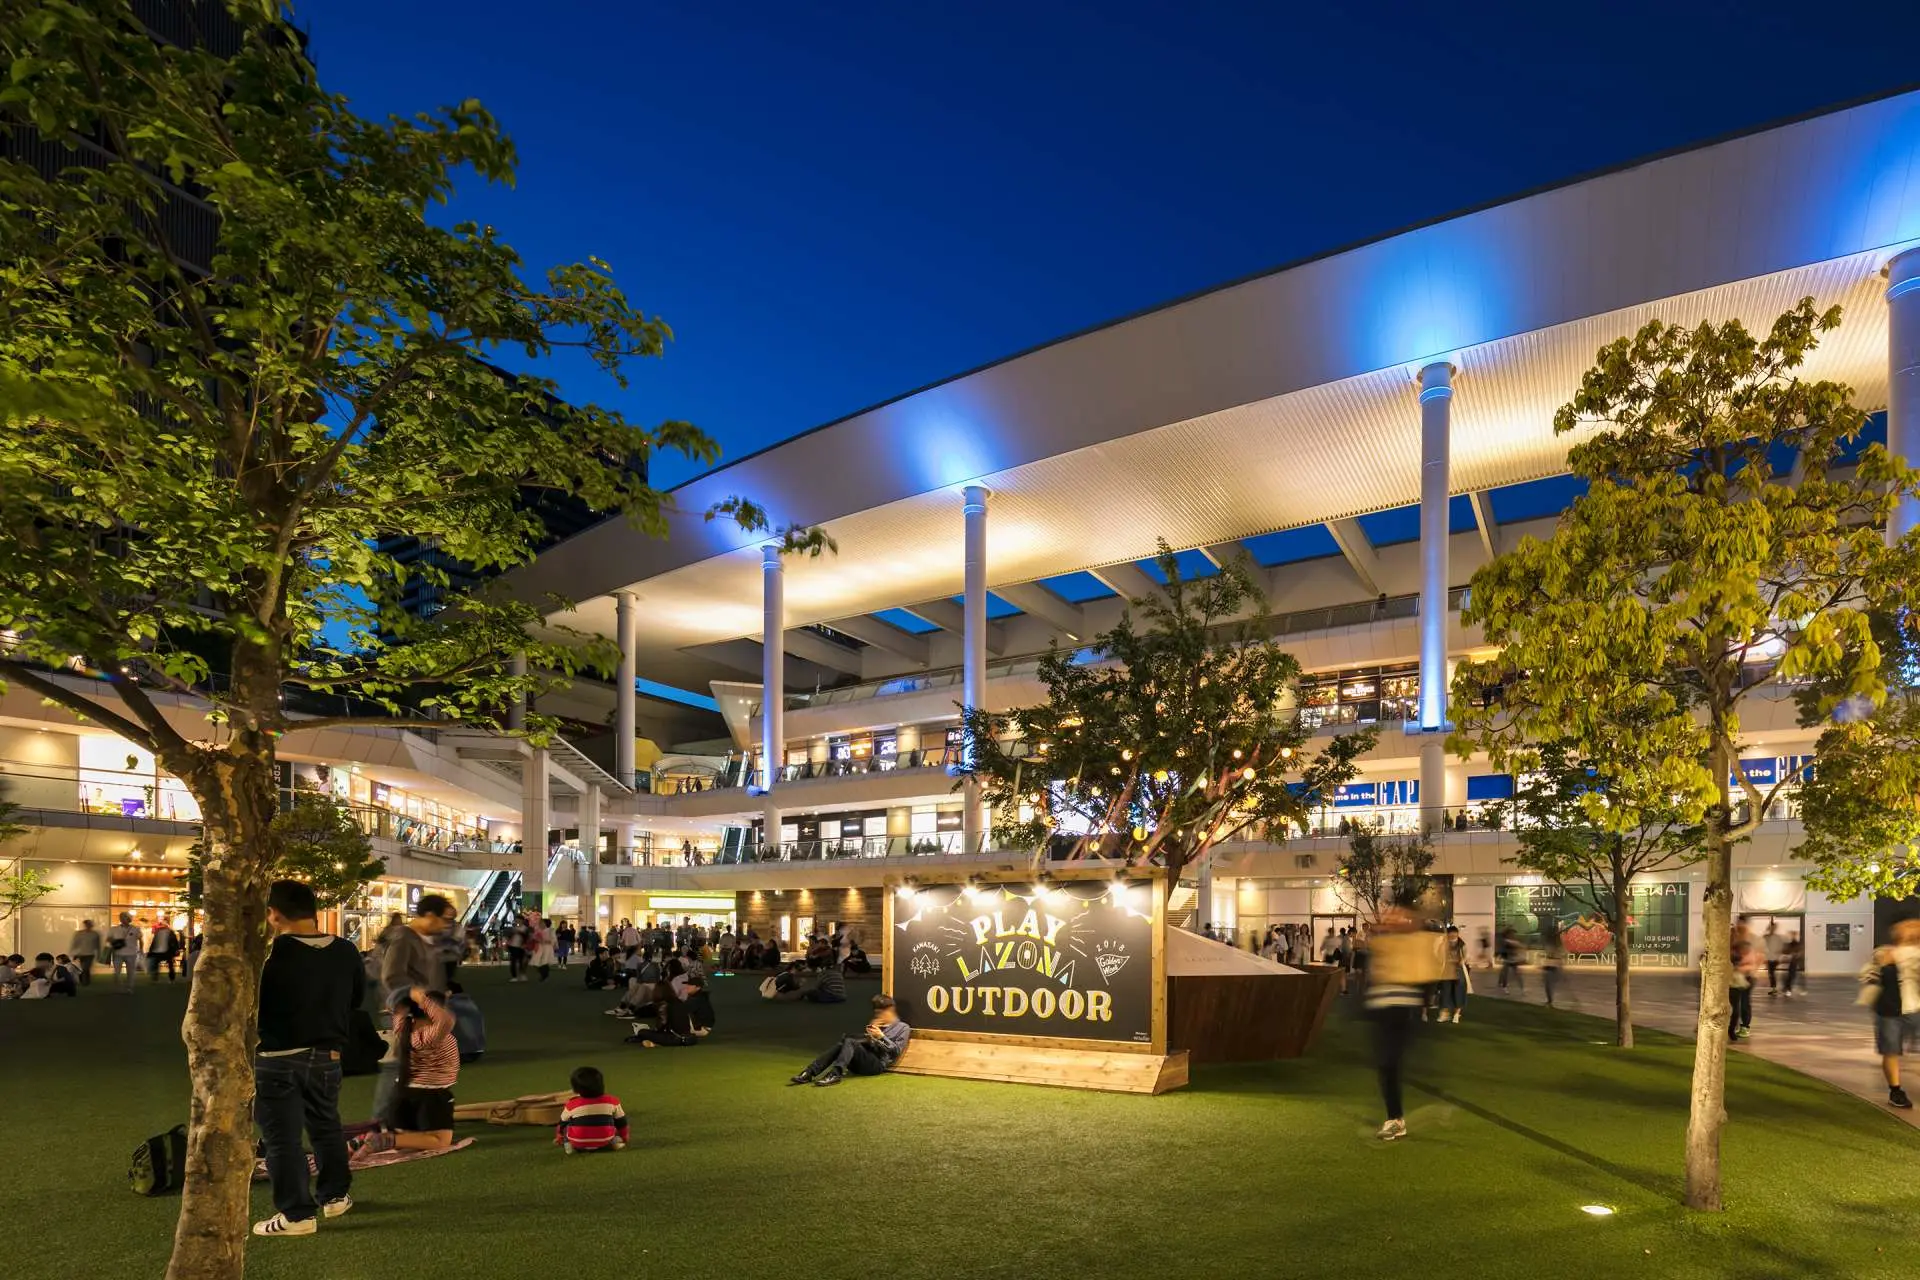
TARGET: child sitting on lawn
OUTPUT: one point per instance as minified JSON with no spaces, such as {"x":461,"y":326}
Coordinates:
{"x":593,"y":1119}
{"x":422,"y":1118}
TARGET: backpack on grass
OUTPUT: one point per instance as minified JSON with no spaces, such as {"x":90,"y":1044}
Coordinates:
{"x":159,"y":1164}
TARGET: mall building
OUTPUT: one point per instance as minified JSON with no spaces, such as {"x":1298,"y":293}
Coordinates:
{"x":1369,"y":426}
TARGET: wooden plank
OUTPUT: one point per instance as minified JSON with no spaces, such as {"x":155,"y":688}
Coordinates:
{"x":1061,"y":1068}
{"x":1072,"y":1043}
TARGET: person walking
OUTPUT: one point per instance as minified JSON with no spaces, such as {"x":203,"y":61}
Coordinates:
{"x":309,"y":988}
{"x":563,"y":938}
{"x":539,"y":947}
{"x":1891,"y":984}
{"x":410,"y":957}
{"x":1511,"y":953}
{"x":1795,"y":958}
{"x":517,"y":949}
{"x":123,"y":951}
{"x":1552,"y":952}
{"x":163,"y":946}
{"x":1405,"y":960}
{"x":1773,"y":946}
{"x":85,"y":948}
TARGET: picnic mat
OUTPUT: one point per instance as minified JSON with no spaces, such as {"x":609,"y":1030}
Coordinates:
{"x":371,"y":1159}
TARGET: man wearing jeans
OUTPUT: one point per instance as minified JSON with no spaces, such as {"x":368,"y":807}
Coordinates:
{"x":309,"y":988}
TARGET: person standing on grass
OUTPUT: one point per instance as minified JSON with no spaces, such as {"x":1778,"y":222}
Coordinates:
{"x":84,"y":949}
{"x":517,"y":949}
{"x":1746,"y":967}
{"x":1891,"y":983}
{"x":1773,"y":945}
{"x":123,"y":951}
{"x":563,"y":943}
{"x":1405,"y":960}
{"x":1454,"y":981}
{"x":411,"y":958}
{"x":309,"y":988}
{"x":540,"y":946}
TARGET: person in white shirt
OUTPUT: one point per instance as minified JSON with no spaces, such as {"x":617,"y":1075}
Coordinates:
{"x":124,"y":951}
{"x":1773,"y":945}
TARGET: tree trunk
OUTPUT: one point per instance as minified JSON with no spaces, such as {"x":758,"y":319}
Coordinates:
{"x":209,"y":1241}
{"x":1707,"y":1114}
{"x":1622,"y":979}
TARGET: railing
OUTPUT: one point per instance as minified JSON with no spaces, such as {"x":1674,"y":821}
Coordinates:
{"x":946,"y":843}
{"x":124,"y":793}
{"x":938,"y":757}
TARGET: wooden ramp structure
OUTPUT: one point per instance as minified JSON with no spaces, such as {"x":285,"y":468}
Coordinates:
{"x":1110,"y":1071}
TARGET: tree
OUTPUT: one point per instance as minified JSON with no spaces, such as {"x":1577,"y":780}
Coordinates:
{"x":197,"y":464}
{"x":1382,"y":871}
{"x":20,"y":886}
{"x":1158,"y":742}
{"x":1578,"y":827}
{"x":1688,"y":581}
{"x":1860,"y":808}
{"x":317,"y":840}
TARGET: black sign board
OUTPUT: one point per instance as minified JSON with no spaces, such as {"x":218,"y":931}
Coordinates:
{"x":1839,"y":937}
{"x":1073,"y":960}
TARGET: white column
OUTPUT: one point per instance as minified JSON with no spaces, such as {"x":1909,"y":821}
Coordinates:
{"x":517,"y":709}
{"x":627,"y":633}
{"x":1436,"y":413}
{"x":590,"y":846}
{"x":1203,"y":901}
{"x":974,"y":826}
{"x":1903,"y":377}
{"x":773,"y":684}
{"x":533,"y":830}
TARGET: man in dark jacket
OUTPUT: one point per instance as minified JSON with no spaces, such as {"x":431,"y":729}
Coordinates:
{"x":309,"y":988}
{"x":868,"y":1054}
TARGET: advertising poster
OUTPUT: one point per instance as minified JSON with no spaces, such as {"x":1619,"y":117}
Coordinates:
{"x":1069,"y":961}
{"x":1656,"y":921}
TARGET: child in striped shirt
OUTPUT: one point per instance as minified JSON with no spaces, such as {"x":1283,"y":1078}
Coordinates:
{"x":593,"y":1119}
{"x":429,"y":1065}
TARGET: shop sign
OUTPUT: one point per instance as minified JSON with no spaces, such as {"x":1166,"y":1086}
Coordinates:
{"x":1072,"y":961}
{"x":413,"y":898}
{"x":1656,"y":921}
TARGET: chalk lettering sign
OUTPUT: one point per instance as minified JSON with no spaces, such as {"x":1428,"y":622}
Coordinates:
{"x":1070,"y":961}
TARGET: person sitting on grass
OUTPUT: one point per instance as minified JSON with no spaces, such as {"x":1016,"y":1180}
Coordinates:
{"x":677,"y":1029}
{"x":602,"y":971}
{"x":791,"y":983}
{"x":593,"y":1119}
{"x":66,"y":977}
{"x":422,"y":1118}
{"x":856,"y":961}
{"x":871,"y":1053}
{"x":829,"y":987}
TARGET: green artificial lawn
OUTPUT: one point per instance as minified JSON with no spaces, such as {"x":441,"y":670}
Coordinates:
{"x":1518,"y":1118}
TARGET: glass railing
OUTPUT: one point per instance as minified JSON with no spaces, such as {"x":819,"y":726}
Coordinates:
{"x":122,"y":793}
{"x":946,"y":843}
{"x":938,"y":757}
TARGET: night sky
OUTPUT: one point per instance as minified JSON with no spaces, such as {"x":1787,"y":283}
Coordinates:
{"x":835,"y":203}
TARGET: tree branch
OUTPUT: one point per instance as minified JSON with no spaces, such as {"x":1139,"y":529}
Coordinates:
{"x":78,"y":703}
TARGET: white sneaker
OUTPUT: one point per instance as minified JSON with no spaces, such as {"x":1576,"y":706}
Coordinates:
{"x":334,"y":1208}
{"x":1456,"y":1014}
{"x":278,"y":1225}
{"x":1392,"y":1131}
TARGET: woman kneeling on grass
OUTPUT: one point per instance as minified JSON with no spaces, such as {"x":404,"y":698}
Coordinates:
{"x":422,"y":1118}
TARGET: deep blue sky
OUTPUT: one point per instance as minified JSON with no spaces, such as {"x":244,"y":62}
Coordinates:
{"x":835,"y":202}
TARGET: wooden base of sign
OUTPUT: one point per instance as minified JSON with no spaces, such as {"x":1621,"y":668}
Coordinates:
{"x":1063,"y":1068}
